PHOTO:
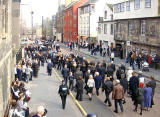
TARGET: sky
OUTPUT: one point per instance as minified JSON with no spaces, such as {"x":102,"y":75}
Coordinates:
{"x":45,"y":8}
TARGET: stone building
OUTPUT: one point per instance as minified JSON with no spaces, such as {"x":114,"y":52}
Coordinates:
{"x":7,"y":14}
{"x":137,"y":26}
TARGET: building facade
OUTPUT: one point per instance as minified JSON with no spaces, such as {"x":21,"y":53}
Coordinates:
{"x":9,"y":13}
{"x":137,"y":26}
{"x":106,"y":27}
{"x":71,"y":21}
{"x":88,"y":16}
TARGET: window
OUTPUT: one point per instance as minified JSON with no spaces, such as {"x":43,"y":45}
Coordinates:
{"x":136,"y":4}
{"x":117,"y":8}
{"x":143,"y":27}
{"x":111,"y":16}
{"x":105,"y":15}
{"x":105,"y":28}
{"x":122,"y":7}
{"x":128,"y":6}
{"x":130,"y":28}
{"x":99,"y":28}
{"x":119,"y":27}
{"x":111,"y":29}
{"x":148,"y":3}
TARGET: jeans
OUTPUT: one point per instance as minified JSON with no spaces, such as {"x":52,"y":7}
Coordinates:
{"x":116,"y":101}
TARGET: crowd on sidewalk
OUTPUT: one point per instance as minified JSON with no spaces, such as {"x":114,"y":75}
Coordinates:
{"x":140,"y":59}
{"x":34,"y":56}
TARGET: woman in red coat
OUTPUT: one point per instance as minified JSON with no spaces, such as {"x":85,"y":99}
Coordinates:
{"x":150,"y":60}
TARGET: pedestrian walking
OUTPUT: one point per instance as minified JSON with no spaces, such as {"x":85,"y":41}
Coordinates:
{"x":152,"y":84}
{"x":147,"y":96}
{"x":98,"y":81}
{"x":79,"y":87}
{"x":65,"y":73}
{"x":49,"y":68}
{"x":133,"y":86}
{"x":71,"y":81}
{"x":124,"y":83}
{"x":90,"y":85}
{"x":108,"y":88}
{"x":63,"y":92}
{"x":139,"y":98}
{"x":118,"y":96}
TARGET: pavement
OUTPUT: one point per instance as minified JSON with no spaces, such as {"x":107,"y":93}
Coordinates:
{"x":44,"y":91}
{"x":118,"y":61}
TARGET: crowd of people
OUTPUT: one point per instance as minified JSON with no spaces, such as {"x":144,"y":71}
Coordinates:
{"x":79,"y":74}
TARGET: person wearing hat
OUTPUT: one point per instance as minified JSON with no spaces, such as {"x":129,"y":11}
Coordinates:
{"x":118,"y":96}
{"x":63,"y":91}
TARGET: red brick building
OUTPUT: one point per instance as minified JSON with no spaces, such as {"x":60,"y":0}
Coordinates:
{"x":71,"y":21}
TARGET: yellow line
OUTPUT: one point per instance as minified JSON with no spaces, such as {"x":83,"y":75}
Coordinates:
{"x":71,"y":94}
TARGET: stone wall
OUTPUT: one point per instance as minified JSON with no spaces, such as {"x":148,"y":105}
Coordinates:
{"x":150,"y":40}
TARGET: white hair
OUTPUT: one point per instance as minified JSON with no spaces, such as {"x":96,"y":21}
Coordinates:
{"x":117,"y":81}
{"x":40,"y":110}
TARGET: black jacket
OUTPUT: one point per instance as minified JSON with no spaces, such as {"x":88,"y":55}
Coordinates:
{"x":124,"y":83}
{"x":108,"y":86}
{"x":65,"y":72}
{"x":63,"y":90}
{"x":79,"y":85}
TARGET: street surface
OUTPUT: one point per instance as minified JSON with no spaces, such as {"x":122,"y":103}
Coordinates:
{"x":44,"y":91}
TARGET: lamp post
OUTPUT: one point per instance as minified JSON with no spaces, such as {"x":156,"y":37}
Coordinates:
{"x":32,"y":22}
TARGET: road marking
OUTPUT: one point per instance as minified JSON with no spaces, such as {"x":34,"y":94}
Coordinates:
{"x":71,"y":94}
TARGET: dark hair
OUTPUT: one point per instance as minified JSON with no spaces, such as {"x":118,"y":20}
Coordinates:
{"x":45,"y":112}
{"x":148,"y":85}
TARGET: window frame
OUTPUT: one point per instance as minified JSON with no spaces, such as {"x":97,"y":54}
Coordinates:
{"x":128,"y":6}
{"x":105,"y":14}
{"x":122,"y":8}
{"x":146,"y":3}
{"x":130,"y":28}
{"x":143,"y":27}
{"x":135,"y":4}
{"x":105,"y":28}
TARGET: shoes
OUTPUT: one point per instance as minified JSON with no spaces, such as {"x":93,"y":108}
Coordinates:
{"x":140,"y":113}
{"x":109,"y":105}
{"x":116,"y":111}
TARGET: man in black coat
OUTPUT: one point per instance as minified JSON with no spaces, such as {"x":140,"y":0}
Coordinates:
{"x":79,"y":87}
{"x":152,"y":84}
{"x":49,"y":68}
{"x":107,"y":87}
{"x":65,"y":73}
{"x":156,"y":61}
{"x":133,"y":86}
{"x":63,"y":91}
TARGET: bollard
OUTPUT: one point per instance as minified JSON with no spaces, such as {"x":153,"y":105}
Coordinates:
{"x":92,"y":115}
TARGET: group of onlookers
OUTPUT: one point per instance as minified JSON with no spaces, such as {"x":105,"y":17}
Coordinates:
{"x":20,"y":98}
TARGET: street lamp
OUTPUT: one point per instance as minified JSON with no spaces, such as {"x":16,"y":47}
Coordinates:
{"x":32,"y":22}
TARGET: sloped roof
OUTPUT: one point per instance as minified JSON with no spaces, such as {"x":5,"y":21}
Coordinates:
{"x":110,"y":6}
{"x":70,"y":5}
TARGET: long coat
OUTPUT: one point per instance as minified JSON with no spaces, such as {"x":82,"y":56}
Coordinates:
{"x":147,"y":96}
{"x":98,"y":80}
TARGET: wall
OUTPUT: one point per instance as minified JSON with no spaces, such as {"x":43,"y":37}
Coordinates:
{"x":139,"y":13}
{"x":106,"y":37}
{"x":5,"y":57}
